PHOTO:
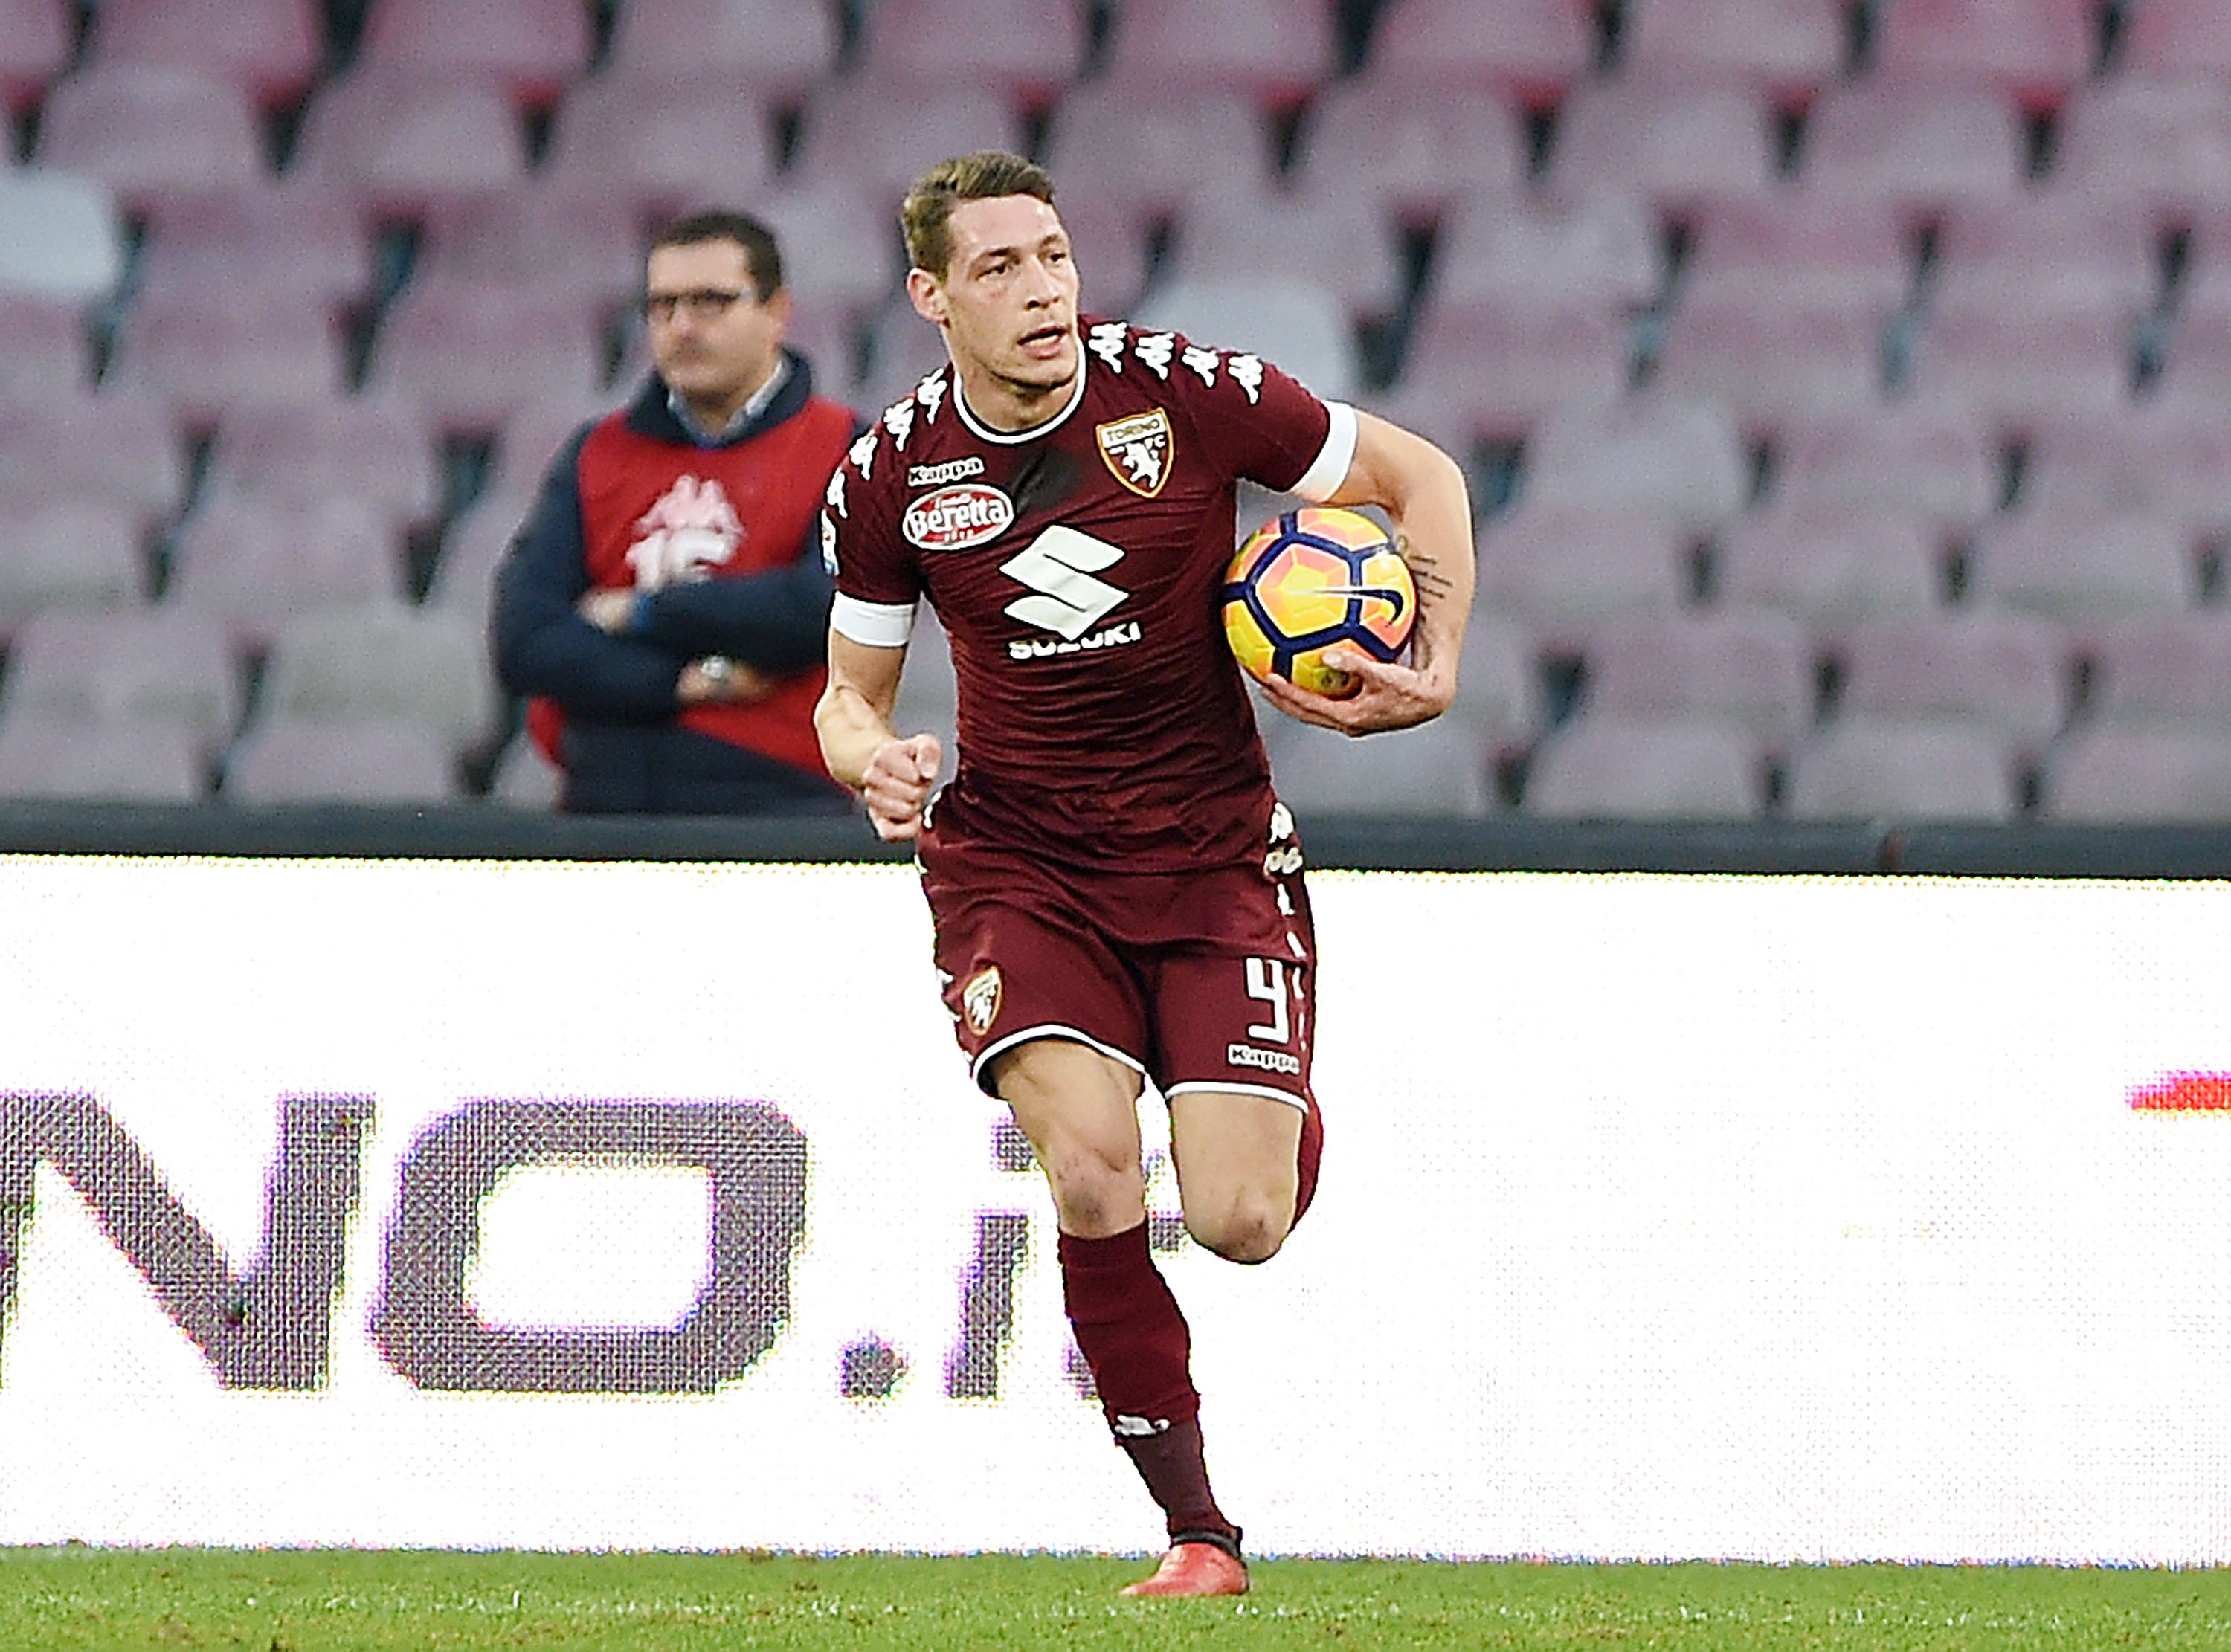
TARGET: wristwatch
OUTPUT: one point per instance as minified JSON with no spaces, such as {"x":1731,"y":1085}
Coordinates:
{"x":716,"y":669}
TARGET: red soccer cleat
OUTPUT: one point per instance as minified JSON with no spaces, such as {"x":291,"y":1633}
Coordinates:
{"x":1194,"y":1569}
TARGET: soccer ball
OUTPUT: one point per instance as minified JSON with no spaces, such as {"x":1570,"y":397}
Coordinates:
{"x":1311,"y":578}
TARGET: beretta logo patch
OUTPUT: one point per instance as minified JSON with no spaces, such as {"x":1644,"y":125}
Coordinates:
{"x":952,"y":518}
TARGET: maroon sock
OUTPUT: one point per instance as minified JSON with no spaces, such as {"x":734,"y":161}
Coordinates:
{"x":1134,"y":1340}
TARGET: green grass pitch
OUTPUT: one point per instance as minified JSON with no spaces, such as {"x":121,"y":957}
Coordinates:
{"x":370,"y":1601}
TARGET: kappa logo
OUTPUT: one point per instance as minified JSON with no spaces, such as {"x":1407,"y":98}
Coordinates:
{"x":1136,"y":450}
{"x":952,"y":518}
{"x":979,"y":999}
{"x":689,"y":531}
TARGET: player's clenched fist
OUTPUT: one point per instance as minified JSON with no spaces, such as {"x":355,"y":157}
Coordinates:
{"x":897,"y":783}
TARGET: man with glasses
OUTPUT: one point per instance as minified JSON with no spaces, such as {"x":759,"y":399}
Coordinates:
{"x":665,"y":606}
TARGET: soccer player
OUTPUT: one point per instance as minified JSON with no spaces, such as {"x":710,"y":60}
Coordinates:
{"x":1115,"y":890}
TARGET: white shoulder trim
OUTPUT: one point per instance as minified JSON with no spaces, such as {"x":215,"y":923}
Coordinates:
{"x":874,"y":625}
{"x":1326,"y":473}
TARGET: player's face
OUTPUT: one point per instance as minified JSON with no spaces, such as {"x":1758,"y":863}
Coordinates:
{"x":1007,"y":303}
{"x":713,"y":340}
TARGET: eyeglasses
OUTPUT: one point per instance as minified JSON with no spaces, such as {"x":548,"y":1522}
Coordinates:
{"x":705,"y":304}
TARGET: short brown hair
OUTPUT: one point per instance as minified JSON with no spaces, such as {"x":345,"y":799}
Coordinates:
{"x":926,"y":214}
{"x":761,"y":255}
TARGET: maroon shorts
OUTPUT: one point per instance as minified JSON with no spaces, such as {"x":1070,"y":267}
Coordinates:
{"x":1203,"y":980}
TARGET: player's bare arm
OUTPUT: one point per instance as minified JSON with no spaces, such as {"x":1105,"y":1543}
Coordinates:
{"x":1423,"y":491}
{"x":893,"y":773}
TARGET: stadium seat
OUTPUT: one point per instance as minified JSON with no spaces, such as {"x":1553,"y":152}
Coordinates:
{"x":145,"y":129}
{"x":1150,"y":151}
{"x":903,"y":350}
{"x":204,"y":348}
{"x":473,"y":543}
{"x":761,"y":48}
{"x":2009,"y":672}
{"x":381,"y":662}
{"x":1333,"y":240}
{"x":2025,"y":361}
{"x":2060,"y":249}
{"x":2034,"y":51}
{"x":564,"y":241}
{"x":44,"y":343}
{"x":1560,"y":570}
{"x":1297,"y":325}
{"x":255,"y":565}
{"x":660,"y":144}
{"x":61,"y":233}
{"x":2116,"y":775}
{"x":1269,"y":52}
{"x":404,"y":141}
{"x":1748,"y":667}
{"x":119,"y":446}
{"x":68,"y":551}
{"x":1496,"y":369}
{"x":528,"y":441}
{"x":1411,"y":158}
{"x":1602,"y":249}
{"x":472,"y":352}
{"x":1771,"y":359}
{"x":2166,"y":456}
{"x":35,"y":48}
{"x":96,"y":667}
{"x":1785,"y":49}
{"x":55,"y":760}
{"x":1023,"y":52}
{"x":1115,"y":248}
{"x":1674,"y":142}
{"x":2163,"y":145}
{"x":1828,"y":568}
{"x":1931,"y":461}
{"x":378,"y":449}
{"x":1683,"y":459}
{"x":1529,"y":53}
{"x":308,"y":246}
{"x":1440,"y":770}
{"x":270,"y":48}
{"x":2166,"y":39}
{"x":840,"y":246}
{"x":871,"y":136}
{"x":2162,"y":670}
{"x":532,"y":48}
{"x":1914,"y":146}
{"x":524,"y":779}
{"x":1800,"y":251}
{"x":1938,"y":770}
{"x":2079,"y":567}
{"x":304,"y":760}
{"x":1670,"y":768}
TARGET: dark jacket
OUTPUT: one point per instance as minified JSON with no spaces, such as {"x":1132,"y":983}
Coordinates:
{"x":603,"y":705}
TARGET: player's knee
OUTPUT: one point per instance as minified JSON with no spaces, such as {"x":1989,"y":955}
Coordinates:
{"x":1249,"y":1226}
{"x":1094,"y":1192}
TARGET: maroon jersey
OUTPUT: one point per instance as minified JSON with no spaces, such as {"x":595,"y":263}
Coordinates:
{"x":1076,"y":567}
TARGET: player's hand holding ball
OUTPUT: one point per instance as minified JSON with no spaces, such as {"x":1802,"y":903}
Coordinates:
{"x":1318,"y":608}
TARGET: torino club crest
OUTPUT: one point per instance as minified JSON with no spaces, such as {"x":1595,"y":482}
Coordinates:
{"x":1136,"y":450}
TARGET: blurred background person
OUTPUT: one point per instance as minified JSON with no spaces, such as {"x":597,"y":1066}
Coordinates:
{"x":663,"y":607}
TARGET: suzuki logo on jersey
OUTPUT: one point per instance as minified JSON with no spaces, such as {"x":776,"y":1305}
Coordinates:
{"x":690,"y":531}
{"x":1137,"y":450}
{"x":1059,"y":566}
{"x":952,"y":518}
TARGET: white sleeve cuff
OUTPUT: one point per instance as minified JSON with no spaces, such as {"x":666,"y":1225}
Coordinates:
{"x":1330,"y":469}
{"x":874,"y":625}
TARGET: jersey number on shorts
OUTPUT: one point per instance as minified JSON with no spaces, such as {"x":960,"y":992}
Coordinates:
{"x":1266,"y":980}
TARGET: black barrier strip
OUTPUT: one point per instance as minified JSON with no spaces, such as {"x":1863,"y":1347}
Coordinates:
{"x":1515,"y":844}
